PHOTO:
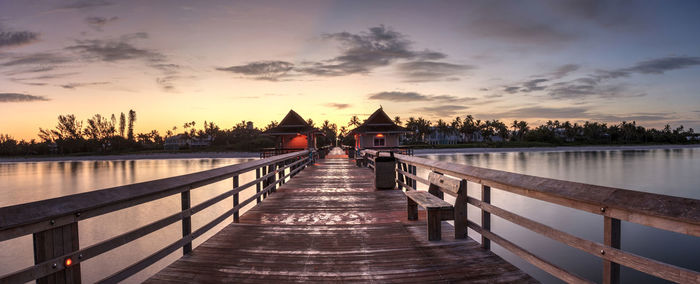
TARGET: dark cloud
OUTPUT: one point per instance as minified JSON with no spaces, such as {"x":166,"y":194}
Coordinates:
{"x":564,"y":70}
{"x":397,"y":96}
{"x":422,"y":71}
{"x":115,"y":50}
{"x":547,"y":112}
{"x":11,"y":38}
{"x":262,"y":70}
{"x":338,"y":105}
{"x":98,"y":22}
{"x":360,"y":54}
{"x":77,"y":85}
{"x":442,"y":110}
{"x":661,"y":65}
{"x":511,"y":89}
{"x":533,"y":85}
{"x":42,"y":58}
{"x":85,"y":4}
{"x":16,"y":97}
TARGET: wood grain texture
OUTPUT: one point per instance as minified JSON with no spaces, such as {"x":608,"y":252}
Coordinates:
{"x":329,"y":225}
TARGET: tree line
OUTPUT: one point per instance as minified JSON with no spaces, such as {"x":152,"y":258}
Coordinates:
{"x":471,"y":130}
{"x":115,"y":134}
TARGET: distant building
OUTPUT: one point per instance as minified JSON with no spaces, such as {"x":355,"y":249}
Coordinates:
{"x":378,"y":131}
{"x":293,"y":132}
{"x":437,"y":137}
{"x":249,"y":125}
{"x":181,"y":141}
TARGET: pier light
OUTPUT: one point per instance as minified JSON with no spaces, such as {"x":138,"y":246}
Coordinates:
{"x":68,"y":262}
{"x":380,"y":135}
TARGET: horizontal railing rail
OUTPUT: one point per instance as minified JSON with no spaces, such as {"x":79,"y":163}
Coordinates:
{"x":270,"y":152}
{"x":676,"y":214}
{"x":60,"y":215}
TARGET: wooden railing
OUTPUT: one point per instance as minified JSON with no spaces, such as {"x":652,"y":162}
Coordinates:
{"x":54,"y":222}
{"x":270,"y":152}
{"x":676,"y":214}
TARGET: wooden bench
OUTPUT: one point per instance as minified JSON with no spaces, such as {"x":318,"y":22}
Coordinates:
{"x":438,"y":209}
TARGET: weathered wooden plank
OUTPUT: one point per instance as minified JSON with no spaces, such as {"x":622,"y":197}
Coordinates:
{"x":444,"y":183}
{"x":328,"y":224}
{"x":427,"y":200}
{"x":611,"y":237}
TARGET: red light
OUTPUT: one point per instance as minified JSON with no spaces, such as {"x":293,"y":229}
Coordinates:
{"x":68,"y":262}
{"x":380,"y":135}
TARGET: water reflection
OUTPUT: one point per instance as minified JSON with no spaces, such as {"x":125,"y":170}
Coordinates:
{"x":33,"y":181}
{"x":670,"y":172}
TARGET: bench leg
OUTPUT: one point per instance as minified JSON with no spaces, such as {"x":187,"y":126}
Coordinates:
{"x":412,"y":209}
{"x":461,"y":222}
{"x":434,"y":224}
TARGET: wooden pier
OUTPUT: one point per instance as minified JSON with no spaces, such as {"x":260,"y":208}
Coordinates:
{"x":329,"y":224}
{"x":322,"y":220}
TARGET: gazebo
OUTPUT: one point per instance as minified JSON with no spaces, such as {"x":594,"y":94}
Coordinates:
{"x":378,"y":132}
{"x":293,"y":133}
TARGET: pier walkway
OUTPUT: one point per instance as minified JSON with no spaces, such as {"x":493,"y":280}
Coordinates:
{"x":329,"y":224}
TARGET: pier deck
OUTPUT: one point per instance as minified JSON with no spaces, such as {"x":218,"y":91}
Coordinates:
{"x":329,"y":224}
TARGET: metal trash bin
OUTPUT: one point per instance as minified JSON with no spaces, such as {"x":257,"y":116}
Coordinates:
{"x":385,"y":171}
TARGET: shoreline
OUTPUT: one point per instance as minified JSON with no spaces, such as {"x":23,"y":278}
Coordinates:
{"x":135,"y":156}
{"x":447,"y":151}
{"x":417,"y":152}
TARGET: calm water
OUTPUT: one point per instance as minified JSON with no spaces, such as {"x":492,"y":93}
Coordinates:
{"x":26,"y":182}
{"x":671,"y":172}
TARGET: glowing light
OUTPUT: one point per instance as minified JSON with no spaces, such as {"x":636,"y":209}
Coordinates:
{"x":380,"y":135}
{"x":68,"y":262}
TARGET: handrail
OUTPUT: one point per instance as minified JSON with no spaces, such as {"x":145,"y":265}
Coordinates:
{"x":677,"y":214}
{"x":63,"y":213}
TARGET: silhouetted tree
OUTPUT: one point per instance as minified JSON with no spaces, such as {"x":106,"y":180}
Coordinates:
{"x":132,"y":119}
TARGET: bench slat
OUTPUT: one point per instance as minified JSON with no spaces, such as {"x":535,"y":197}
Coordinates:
{"x":446,"y":184}
{"x":427,"y":200}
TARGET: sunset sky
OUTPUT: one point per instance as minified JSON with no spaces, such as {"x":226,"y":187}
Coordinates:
{"x":227,"y":61}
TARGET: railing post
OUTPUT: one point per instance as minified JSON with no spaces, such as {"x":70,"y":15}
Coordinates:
{"x":612,"y":234}
{"x":187,"y":221}
{"x":257,"y":184}
{"x":399,"y":175}
{"x":413,"y":181}
{"x":272,"y":179}
{"x":485,"y":216}
{"x":264,"y":182}
{"x":56,"y":242}
{"x":235,"y":199}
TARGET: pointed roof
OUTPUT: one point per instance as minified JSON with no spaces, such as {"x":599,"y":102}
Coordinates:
{"x":292,"y":123}
{"x":379,"y":122}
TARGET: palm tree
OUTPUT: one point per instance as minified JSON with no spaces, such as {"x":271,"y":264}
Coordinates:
{"x":354,"y":121}
{"x":397,"y":120}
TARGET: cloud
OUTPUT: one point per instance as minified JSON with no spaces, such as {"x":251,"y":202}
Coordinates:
{"x":338,"y":105}
{"x":533,"y":85}
{"x":564,"y":70}
{"x":442,"y":110}
{"x":511,"y":89}
{"x":85,"y":4}
{"x":115,"y":50}
{"x":16,"y":38}
{"x":397,"y":96}
{"x":77,"y":85}
{"x":16,"y":97}
{"x":423,"y":71}
{"x":360,"y":54}
{"x":661,"y":65}
{"x":98,"y":22}
{"x":262,"y":70}
{"x":40,"y":58}
{"x":546,"y":112}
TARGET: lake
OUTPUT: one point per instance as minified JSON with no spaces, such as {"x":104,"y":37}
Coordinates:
{"x":671,"y":172}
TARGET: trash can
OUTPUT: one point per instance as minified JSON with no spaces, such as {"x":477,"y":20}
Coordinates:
{"x":385,"y":171}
